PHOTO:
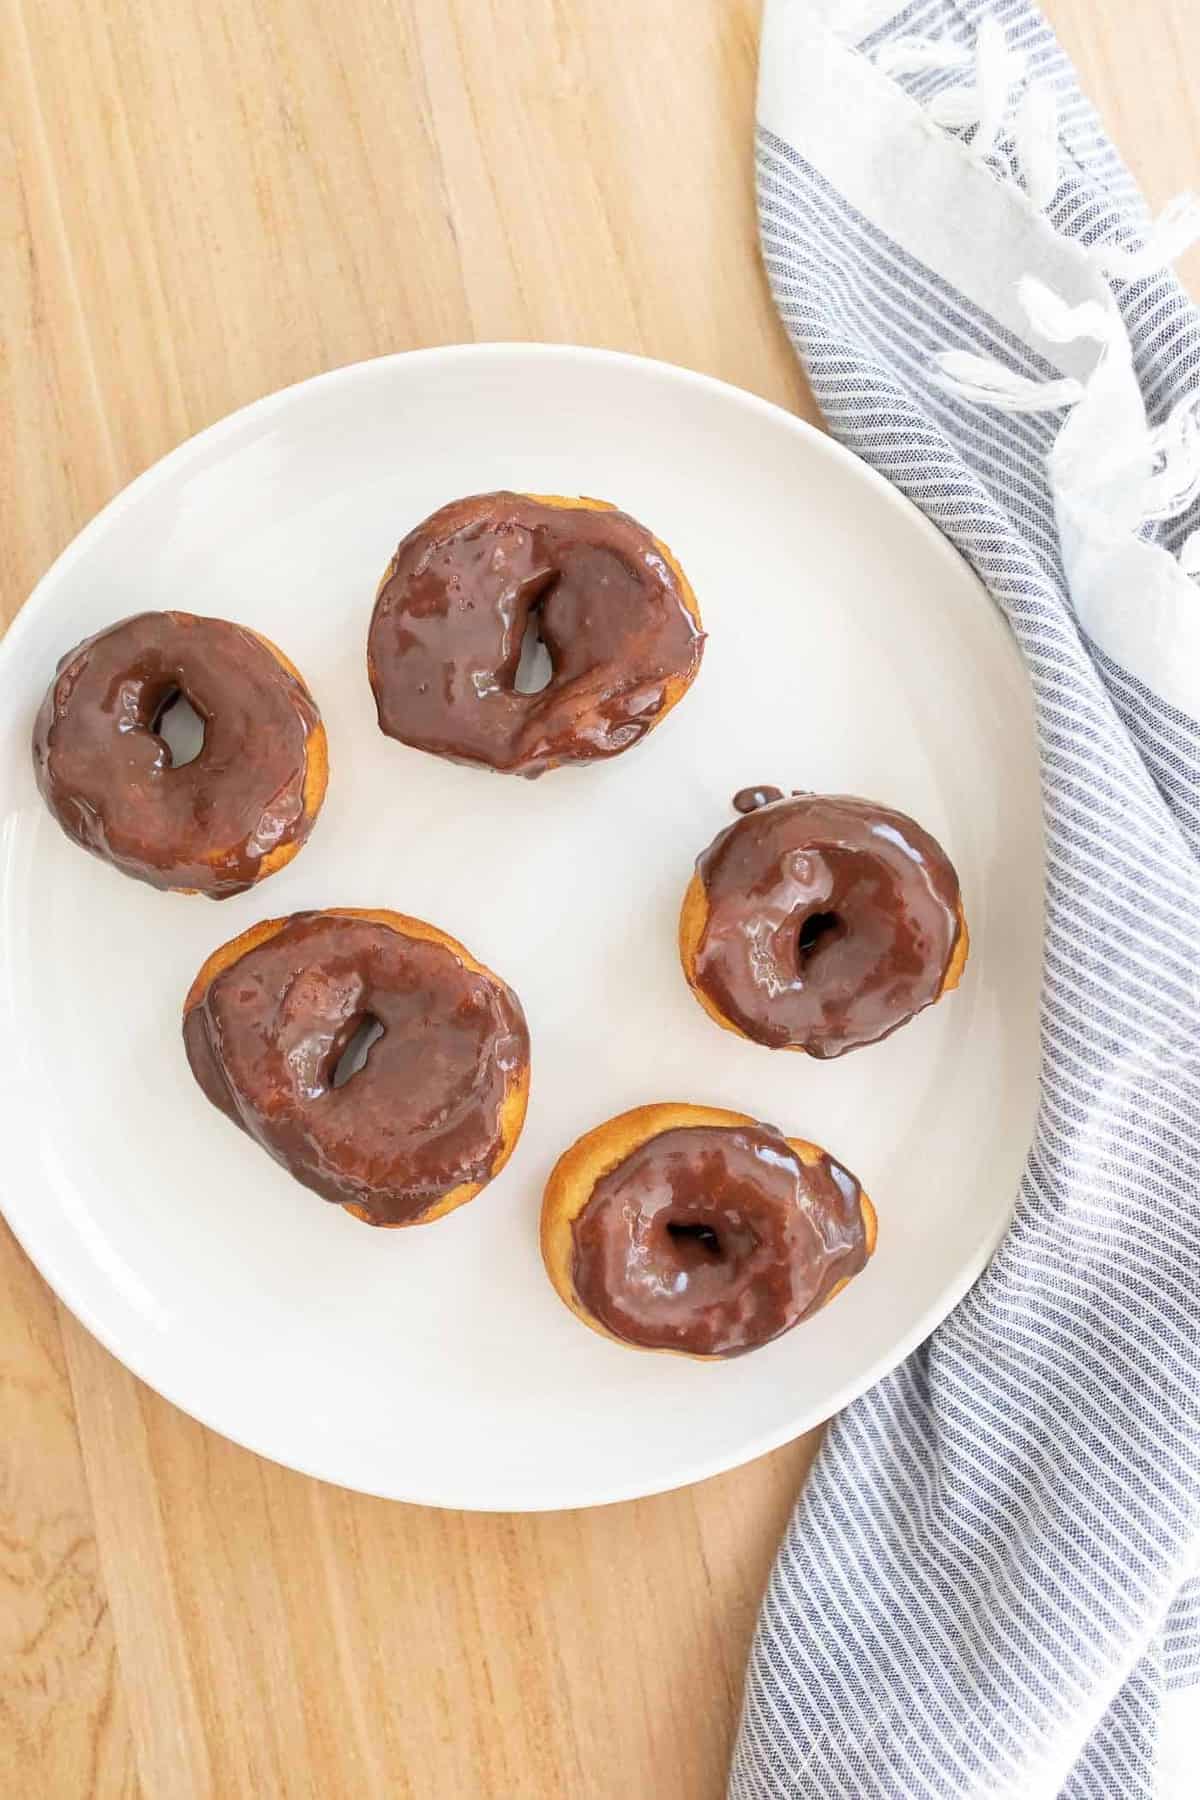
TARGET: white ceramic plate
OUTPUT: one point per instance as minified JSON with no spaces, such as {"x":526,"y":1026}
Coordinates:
{"x":849,"y":649}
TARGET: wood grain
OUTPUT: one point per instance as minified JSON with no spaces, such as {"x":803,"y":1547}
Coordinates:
{"x":200,"y":203}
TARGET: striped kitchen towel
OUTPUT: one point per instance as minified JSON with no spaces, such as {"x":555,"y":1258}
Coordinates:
{"x":988,"y":1584}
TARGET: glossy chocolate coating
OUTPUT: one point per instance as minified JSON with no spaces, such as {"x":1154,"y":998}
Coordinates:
{"x":831,"y":922}
{"x":749,"y":799}
{"x":423,"y":1114}
{"x":450,"y":619}
{"x":108,"y":777}
{"x":715,"y":1239}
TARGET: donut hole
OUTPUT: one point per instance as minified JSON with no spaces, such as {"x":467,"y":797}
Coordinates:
{"x":367,"y":1031}
{"x":818,"y":931}
{"x":696,"y":1242}
{"x":180,"y":727}
{"x":535,"y":671}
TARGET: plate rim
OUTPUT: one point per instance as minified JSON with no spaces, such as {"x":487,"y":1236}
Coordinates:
{"x":277,"y":400}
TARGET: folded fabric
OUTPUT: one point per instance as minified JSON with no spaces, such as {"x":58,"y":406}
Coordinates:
{"x":986,"y":1586}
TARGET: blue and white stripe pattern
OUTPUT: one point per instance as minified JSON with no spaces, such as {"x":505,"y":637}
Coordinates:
{"x":987,"y":1588}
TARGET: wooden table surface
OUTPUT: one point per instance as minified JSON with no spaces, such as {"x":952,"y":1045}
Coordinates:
{"x":200,"y":201}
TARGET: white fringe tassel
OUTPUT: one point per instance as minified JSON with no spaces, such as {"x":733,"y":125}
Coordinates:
{"x":1174,"y":231}
{"x":1175,"y":448}
{"x":1060,"y":323}
{"x":988,"y":383}
{"x":997,"y":70}
{"x":1036,"y":132}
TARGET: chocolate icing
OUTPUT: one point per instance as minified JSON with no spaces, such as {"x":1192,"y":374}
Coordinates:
{"x":421,"y":1117}
{"x":108,"y":777}
{"x":450,"y":618}
{"x":715,"y":1239}
{"x":831,"y":922}
{"x":748,"y":800}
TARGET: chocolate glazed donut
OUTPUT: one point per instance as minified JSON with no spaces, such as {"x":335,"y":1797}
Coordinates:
{"x":437,"y":1107}
{"x":236,"y":813}
{"x":821,"y":923}
{"x":699,"y":1231}
{"x":611,"y":605}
